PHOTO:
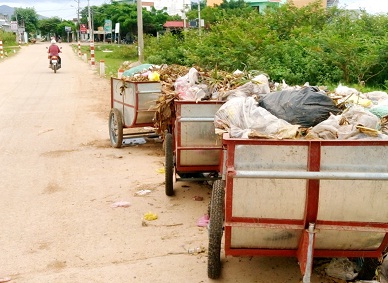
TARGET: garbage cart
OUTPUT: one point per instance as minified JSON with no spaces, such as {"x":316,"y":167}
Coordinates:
{"x":130,"y":104}
{"x":192,"y":149}
{"x":300,"y":198}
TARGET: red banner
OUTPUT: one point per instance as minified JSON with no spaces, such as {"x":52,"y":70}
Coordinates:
{"x":83,"y":28}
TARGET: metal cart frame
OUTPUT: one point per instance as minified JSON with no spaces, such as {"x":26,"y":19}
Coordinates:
{"x":301,"y":199}
{"x":192,"y":148}
{"x":130,"y":104}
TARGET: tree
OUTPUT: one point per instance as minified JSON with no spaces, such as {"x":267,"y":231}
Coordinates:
{"x":49,"y":26}
{"x":27,"y":17}
{"x":126,"y":15}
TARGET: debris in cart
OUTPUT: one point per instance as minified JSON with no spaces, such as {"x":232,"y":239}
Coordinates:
{"x":311,"y":112}
{"x":305,"y":107}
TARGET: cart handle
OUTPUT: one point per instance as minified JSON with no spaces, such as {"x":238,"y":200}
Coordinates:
{"x":197,"y":119}
{"x":308,"y":175}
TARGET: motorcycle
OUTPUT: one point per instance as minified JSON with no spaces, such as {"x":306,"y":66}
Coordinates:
{"x":54,"y":63}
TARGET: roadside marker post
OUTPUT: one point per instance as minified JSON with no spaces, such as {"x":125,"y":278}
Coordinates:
{"x":1,"y":50}
{"x":92,"y":61}
{"x":102,"y":68}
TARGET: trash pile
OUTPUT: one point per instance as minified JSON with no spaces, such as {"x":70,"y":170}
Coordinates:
{"x":255,"y":107}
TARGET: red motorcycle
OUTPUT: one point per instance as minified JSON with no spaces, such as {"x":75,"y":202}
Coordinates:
{"x":55,"y":63}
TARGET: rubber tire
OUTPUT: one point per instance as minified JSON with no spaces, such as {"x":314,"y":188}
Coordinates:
{"x":169,"y":165}
{"x":55,"y":69}
{"x":216,"y":229}
{"x":115,"y":128}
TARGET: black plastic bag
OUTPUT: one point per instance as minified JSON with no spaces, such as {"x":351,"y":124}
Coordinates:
{"x":306,"y":107}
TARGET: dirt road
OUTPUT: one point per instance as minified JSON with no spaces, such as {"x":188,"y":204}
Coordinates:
{"x":60,"y":176}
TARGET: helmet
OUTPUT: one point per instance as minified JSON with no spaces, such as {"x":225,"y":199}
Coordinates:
{"x":53,"y":41}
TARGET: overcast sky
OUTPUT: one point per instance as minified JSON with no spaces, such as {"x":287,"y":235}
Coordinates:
{"x":67,"y":9}
{"x":64,"y":9}
{"x":371,"y":6}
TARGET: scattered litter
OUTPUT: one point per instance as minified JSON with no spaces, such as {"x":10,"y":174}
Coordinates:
{"x":5,"y":279}
{"x":142,"y":192}
{"x":342,"y":268}
{"x":196,"y":250}
{"x":161,"y":170}
{"x":198,"y":198}
{"x":203,"y":221}
{"x":134,"y":141}
{"x":121,"y":204}
{"x":150,"y":216}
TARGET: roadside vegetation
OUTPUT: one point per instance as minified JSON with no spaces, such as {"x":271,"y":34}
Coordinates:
{"x":9,"y":43}
{"x":310,"y":44}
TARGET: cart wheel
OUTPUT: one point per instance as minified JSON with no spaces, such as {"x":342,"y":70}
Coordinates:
{"x":115,"y":128}
{"x":55,"y":69}
{"x":215,"y":230}
{"x":169,"y":165}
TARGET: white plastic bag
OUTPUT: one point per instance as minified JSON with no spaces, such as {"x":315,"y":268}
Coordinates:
{"x":241,"y":116}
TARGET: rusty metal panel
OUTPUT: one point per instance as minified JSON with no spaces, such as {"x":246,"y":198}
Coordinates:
{"x":270,"y":157}
{"x":266,"y":198}
{"x":264,"y":238}
{"x":199,"y":134}
{"x":348,"y":240}
{"x":354,"y":200}
{"x":199,"y":157}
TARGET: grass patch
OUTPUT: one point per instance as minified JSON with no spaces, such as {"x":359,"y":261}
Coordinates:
{"x":113,"y":55}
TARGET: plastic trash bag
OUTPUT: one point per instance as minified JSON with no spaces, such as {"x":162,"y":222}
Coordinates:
{"x":305,"y":107}
{"x":248,"y":89}
{"x":138,"y":69}
{"x":355,"y":123}
{"x":242,"y":117}
{"x":183,"y":84}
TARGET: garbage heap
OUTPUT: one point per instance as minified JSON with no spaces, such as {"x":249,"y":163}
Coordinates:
{"x":256,"y":107}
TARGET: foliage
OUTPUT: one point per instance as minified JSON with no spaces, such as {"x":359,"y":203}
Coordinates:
{"x":309,"y":44}
{"x":27,"y":17}
{"x":49,"y":26}
{"x":8,"y":38}
{"x":126,"y":15}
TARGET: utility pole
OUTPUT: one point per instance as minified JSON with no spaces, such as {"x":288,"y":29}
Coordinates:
{"x":78,"y":23}
{"x":90,"y":24}
{"x":199,"y":17}
{"x":140,"y":31}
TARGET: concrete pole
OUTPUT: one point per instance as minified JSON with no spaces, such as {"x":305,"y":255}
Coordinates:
{"x":102,"y":68}
{"x":79,"y":26}
{"x":140,"y":31}
{"x":90,"y":23}
{"x":199,"y":16}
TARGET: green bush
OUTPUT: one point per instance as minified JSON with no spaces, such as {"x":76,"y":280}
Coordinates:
{"x":309,"y":44}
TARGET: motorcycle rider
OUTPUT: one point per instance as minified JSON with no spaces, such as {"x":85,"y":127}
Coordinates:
{"x":54,"y":50}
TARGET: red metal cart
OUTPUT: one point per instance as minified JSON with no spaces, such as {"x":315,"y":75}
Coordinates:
{"x":300,"y":198}
{"x":192,"y":150}
{"x":130,"y":103}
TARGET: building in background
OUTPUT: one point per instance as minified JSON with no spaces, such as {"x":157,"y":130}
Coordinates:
{"x":262,"y":4}
{"x":177,"y":7}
